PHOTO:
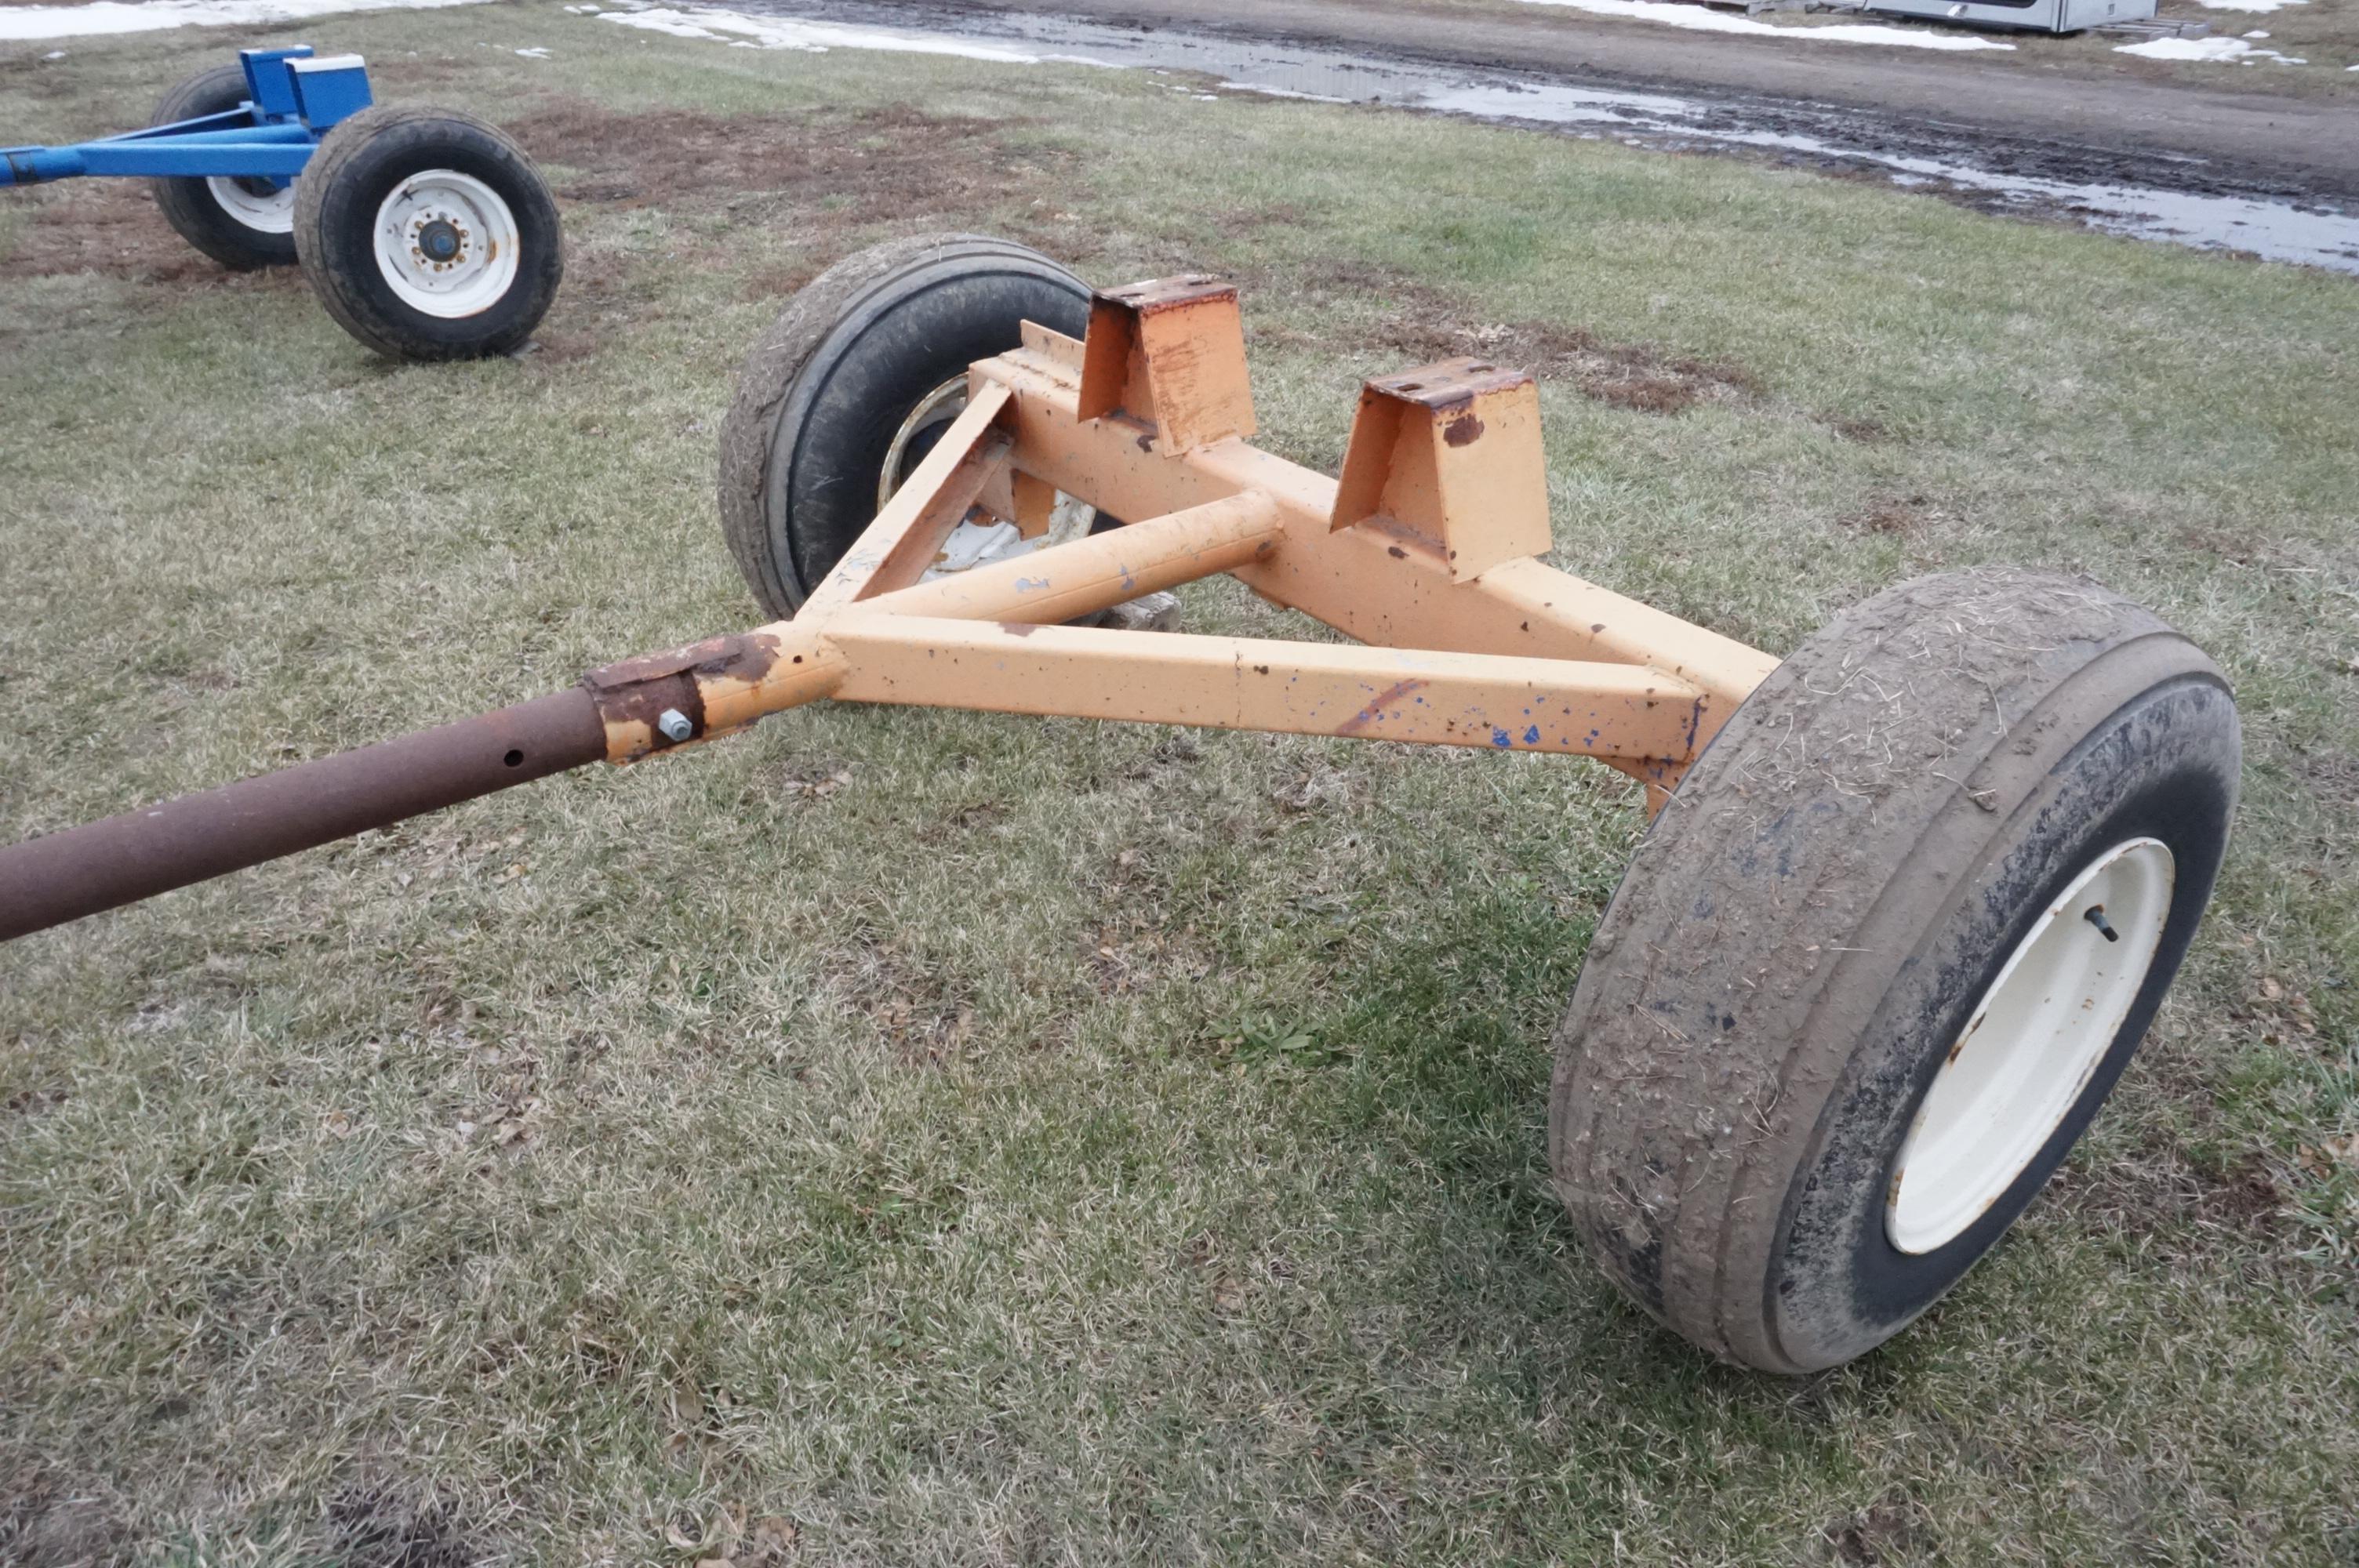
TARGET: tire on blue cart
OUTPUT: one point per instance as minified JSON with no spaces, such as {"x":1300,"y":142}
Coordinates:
{"x":240,"y":223}
{"x":428,"y":234}
{"x":1882,"y":957}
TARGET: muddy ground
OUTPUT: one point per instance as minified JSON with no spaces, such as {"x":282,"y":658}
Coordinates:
{"x":2108,"y":127}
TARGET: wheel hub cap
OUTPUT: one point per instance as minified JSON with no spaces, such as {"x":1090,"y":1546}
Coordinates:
{"x":439,"y":242}
{"x":265,"y":208}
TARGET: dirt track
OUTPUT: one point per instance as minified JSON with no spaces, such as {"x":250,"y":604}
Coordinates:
{"x":2293,"y":147}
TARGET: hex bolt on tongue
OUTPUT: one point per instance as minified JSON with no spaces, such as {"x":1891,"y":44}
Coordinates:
{"x":676,"y":726}
{"x":2096,"y":915}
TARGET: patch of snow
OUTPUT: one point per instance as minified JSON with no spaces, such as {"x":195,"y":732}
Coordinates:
{"x":1696,"y":18}
{"x":2224,"y":51}
{"x":1290,"y":93}
{"x":2256,"y":33}
{"x":537,"y":52}
{"x":55,"y":54}
{"x":2249,"y":4}
{"x":21,"y":23}
{"x":816,"y":37}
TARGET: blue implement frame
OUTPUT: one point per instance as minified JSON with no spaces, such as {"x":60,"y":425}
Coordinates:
{"x":292,"y":100}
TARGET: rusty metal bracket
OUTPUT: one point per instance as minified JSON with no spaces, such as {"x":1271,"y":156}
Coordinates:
{"x":632,"y":694}
{"x":1169,"y":356}
{"x":1450,"y":454}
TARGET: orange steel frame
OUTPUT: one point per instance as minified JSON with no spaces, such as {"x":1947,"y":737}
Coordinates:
{"x":1424,"y":551}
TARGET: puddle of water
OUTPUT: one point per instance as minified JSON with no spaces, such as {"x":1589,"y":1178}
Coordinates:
{"x":2276,"y":230}
{"x":2272,"y":229}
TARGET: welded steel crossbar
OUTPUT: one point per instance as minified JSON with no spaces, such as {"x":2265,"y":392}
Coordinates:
{"x":292,"y":100}
{"x":1423,"y":551}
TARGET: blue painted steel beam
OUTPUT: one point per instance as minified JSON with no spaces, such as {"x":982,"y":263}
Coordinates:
{"x":270,"y":136}
{"x":227,"y":120}
{"x":253,"y":151}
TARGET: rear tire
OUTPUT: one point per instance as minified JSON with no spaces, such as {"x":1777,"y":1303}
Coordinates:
{"x":428,"y":234}
{"x":835,"y":379}
{"x":240,"y":223}
{"x":1878,"y":883}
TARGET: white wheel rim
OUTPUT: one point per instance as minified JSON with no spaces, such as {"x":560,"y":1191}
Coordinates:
{"x":447,"y":245}
{"x":2028,"y":1050}
{"x":266,"y":213}
{"x":976,"y":540}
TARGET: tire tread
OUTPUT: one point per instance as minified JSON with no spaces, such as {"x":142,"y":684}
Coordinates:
{"x":1675,"y":1156}
{"x":188,"y":204}
{"x":774,"y":367}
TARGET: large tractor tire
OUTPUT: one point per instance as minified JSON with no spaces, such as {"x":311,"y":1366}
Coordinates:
{"x":240,"y":223}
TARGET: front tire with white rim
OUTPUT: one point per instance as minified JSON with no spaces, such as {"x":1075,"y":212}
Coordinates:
{"x":428,"y":234}
{"x":1884,"y":955}
{"x":240,"y":223}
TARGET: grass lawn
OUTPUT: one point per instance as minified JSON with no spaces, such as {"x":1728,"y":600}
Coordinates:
{"x":912,"y":1138}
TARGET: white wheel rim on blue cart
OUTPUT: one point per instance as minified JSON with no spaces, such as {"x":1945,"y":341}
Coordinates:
{"x":265,"y":211}
{"x":447,"y":245}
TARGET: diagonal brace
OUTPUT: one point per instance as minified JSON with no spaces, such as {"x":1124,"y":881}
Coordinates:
{"x":894,"y":551}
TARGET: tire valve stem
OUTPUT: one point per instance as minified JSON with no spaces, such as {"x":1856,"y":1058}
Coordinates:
{"x":2096,"y":917}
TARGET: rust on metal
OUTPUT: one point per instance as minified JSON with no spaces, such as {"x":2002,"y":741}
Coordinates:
{"x":63,"y":876}
{"x":632,"y":694}
{"x":1377,"y":705}
{"x":1413,"y":464}
{"x":1451,"y":386}
{"x":1169,"y":356}
{"x":1157,"y":295}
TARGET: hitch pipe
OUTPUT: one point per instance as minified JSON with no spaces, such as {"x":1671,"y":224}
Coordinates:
{"x":64,"y":876}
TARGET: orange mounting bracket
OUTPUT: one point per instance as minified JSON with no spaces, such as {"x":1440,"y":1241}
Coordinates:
{"x":1449,"y":455}
{"x":1169,"y":356}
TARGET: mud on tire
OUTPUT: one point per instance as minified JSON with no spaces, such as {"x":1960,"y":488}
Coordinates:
{"x":1819,"y":920}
